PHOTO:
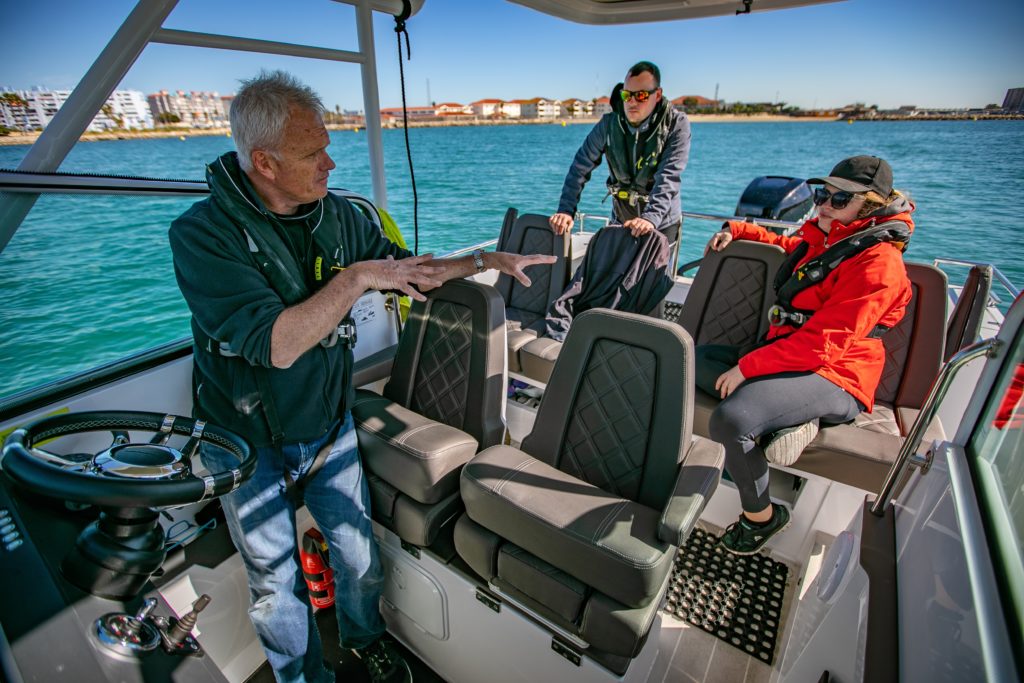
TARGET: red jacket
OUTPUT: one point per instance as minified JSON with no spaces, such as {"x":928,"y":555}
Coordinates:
{"x":868,"y":289}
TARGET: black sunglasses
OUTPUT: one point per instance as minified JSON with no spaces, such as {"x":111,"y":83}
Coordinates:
{"x":640,"y":95}
{"x":839,"y":199}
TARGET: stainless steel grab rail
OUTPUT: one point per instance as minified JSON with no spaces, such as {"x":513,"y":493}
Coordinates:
{"x":998,"y":274}
{"x":938,"y":391}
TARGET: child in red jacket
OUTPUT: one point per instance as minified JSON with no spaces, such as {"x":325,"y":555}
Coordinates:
{"x":823,"y":357}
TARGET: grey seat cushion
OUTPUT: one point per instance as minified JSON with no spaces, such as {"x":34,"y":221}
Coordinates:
{"x":518,"y":336}
{"x":859,"y":453}
{"x":606,"y":541}
{"x":537,"y":358}
{"x":414,"y":522}
{"x":418,"y":456}
{"x":613,"y":630}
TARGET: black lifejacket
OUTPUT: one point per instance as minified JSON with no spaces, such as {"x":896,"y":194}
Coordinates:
{"x":790,"y":280}
{"x":633,"y":157}
{"x":275,"y":260}
{"x":282,"y":270}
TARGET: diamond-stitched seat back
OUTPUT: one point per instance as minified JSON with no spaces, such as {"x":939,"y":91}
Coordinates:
{"x":450,"y":361}
{"x":531,"y":234}
{"x":618,"y":409}
{"x":536,"y":240}
{"x":442,"y":375}
{"x":607,"y":438}
{"x":729,"y":299}
{"x":897,"y":346}
{"x":914,"y":347}
{"x":733,"y":314}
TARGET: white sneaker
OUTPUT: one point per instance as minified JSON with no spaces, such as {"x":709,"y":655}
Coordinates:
{"x":785,"y":446}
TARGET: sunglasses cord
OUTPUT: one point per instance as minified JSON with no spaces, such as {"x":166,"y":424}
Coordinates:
{"x":399,"y":32}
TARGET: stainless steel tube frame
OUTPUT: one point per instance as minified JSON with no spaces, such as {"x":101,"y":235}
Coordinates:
{"x":913,"y":441}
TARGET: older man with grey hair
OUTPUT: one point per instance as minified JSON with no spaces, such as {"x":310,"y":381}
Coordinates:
{"x":270,"y":266}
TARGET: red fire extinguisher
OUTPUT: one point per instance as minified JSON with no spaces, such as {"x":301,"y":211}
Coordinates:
{"x":316,"y":569}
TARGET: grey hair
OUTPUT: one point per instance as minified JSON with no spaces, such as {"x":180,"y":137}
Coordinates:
{"x":260,"y":111}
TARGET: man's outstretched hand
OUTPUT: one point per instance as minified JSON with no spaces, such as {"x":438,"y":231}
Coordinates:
{"x":513,"y":264}
{"x":402,"y":275}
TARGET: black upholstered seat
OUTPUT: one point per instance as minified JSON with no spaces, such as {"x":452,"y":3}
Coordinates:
{"x":728,"y":303}
{"x":581,"y":524}
{"x":441,"y":405}
{"x":525,"y":307}
{"x":968,"y":314}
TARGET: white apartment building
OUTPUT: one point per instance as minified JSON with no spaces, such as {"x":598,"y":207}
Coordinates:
{"x":34,"y":109}
{"x":487,"y":108}
{"x":576,"y":108}
{"x":195,"y":109}
{"x":453,"y":109}
{"x":548,"y":109}
{"x":538,"y":107}
{"x":513,"y":109}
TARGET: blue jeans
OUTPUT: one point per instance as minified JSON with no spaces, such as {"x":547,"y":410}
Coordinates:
{"x":261,"y":519}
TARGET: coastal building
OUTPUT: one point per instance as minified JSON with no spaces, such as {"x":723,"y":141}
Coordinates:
{"x":693,"y":103}
{"x":34,"y":109}
{"x":512,"y":109}
{"x":413,"y":112}
{"x":1014,"y":100}
{"x":487,"y":108}
{"x":576,"y":108}
{"x":195,"y":109}
{"x":453,"y":109}
{"x":540,"y":108}
{"x":602,"y":106}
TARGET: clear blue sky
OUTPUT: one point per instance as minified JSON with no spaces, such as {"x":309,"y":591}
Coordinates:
{"x":935,"y":53}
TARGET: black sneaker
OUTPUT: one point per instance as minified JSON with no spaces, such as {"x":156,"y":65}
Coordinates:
{"x":745,"y":538}
{"x":785,"y":446}
{"x":384,"y":662}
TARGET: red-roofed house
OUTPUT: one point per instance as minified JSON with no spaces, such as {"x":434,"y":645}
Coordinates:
{"x":454,"y":109}
{"x":602,"y":106}
{"x":512,"y":109}
{"x":487,"y":108}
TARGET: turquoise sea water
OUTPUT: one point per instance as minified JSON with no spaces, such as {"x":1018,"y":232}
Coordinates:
{"x":87,"y":280}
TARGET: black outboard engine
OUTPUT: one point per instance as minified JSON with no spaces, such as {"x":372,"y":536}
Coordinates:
{"x":776,"y":197}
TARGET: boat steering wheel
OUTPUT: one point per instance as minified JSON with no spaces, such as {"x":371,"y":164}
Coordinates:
{"x":125,"y":475}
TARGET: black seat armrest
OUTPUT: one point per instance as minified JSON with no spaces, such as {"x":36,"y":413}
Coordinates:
{"x":697,"y":480}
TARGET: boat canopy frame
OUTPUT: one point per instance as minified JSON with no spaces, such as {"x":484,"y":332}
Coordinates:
{"x":144,"y":25}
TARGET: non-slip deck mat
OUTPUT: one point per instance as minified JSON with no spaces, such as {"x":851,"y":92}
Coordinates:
{"x":736,"y":598}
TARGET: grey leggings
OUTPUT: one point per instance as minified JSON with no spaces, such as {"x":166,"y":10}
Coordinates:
{"x":759,"y":406}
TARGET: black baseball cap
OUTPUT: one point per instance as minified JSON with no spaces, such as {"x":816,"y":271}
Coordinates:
{"x":860,"y":174}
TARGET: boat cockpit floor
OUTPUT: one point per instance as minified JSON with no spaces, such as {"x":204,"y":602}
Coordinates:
{"x":689,"y":654}
{"x":347,"y":667}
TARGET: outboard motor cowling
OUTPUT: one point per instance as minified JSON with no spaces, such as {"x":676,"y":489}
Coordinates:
{"x":776,"y":197}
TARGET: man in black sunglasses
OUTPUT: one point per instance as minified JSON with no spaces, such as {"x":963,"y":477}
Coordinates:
{"x":647,"y":143}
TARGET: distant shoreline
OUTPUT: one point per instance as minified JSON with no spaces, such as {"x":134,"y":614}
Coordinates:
{"x":184,"y":133}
